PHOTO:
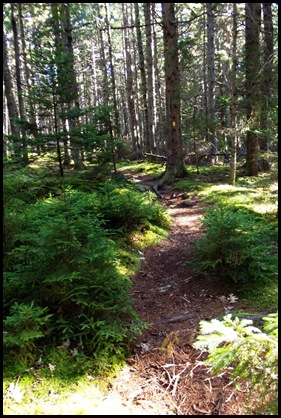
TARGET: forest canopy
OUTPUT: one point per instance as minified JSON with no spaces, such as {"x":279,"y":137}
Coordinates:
{"x":99,"y":81}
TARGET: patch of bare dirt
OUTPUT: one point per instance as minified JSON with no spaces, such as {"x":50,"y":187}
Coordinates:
{"x":166,"y":375}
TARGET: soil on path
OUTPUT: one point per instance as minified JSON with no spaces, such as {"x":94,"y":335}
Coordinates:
{"x":165,"y":376}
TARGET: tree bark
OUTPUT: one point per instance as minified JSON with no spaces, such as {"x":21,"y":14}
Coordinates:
{"x":149,"y":66}
{"x":211,"y":80}
{"x":143,"y":86}
{"x":11,"y":102}
{"x":175,"y":166}
{"x":252,"y":64}
{"x":19,"y":85}
{"x":233,"y":163}
{"x":32,"y":114}
{"x":266,"y":86}
{"x":129,"y":83}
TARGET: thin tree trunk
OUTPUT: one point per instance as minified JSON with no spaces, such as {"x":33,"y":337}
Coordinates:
{"x":252,"y":64}
{"x":211,"y":81}
{"x":116,"y":130}
{"x":159,"y":111}
{"x":33,"y":123}
{"x":73,"y":87}
{"x":19,"y":85}
{"x":267,"y":83}
{"x":149,"y":66}
{"x":11,"y":102}
{"x":143,"y":89}
{"x":234,"y":99}
{"x":129,"y":83}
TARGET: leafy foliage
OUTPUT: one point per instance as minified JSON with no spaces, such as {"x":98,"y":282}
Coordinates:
{"x":63,"y":254}
{"x":25,"y":324}
{"x":251,"y":353}
{"x":236,"y":245}
{"x":126,"y":208}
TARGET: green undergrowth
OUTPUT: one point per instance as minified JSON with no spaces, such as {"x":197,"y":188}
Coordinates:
{"x":240,"y":232}
{"x":70,"y":248}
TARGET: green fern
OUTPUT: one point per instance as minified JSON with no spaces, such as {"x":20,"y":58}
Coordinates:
{"x":251,"y":353}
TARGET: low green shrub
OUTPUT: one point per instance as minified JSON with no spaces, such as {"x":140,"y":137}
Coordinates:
{"x":248,"y":354}
{"x":65,"y":261}
{"x":236,"y":245}
{"x":25,"y":324}
{"x":127,"y":209}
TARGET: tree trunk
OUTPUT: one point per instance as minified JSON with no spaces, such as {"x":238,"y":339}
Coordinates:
{"x":11,"y":103}
{"x":129,"y":82}
{"x":32,"y":118}
{"x":159,"y":111}
{"x":72,"y":87}
{"x":266,"y":87}
{"x":234,"y":99}
{"x":175,"y":166}
{"x":143,"y":88}
{"x":116,"y":129}
{"x":19,"y":85}
{"x":211,"y":81}
{"x":149,"y":66}
{"x":252,"y":64}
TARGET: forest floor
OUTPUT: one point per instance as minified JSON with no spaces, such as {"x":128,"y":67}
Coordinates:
{"x":165,"y":375}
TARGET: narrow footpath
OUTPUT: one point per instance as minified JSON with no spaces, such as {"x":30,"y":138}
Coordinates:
{"x":165,"y":375}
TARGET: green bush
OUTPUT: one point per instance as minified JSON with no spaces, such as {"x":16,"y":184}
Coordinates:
{"x":236,"y":245}
{"x":247,"y":353}
{"x":25,"y":325}
{"x":127,"y":209}
{"x":64,"y":260}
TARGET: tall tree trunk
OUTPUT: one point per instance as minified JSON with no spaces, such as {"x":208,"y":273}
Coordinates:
{"x":73,"y":87}
{"x":11,"y":102}
{"x":234,"y":99}
{"x":19,"y":85}
{"x":129,"y":82}
{"x":205,"y":83}
{"x":103,"y":63}
{"x":211,"y":81}
{"x":143,"y":88}
{"x":266,"y":87}
{"x":159,"y":135}
{"x":175,"y":166}
{"x":32,"y":118}
{"x":149,"y":66}
{"x":116,"y":129}
{"x":252,"y":64}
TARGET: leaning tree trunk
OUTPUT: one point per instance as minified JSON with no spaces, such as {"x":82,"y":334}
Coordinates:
{"x":252,"y":64}
{"x":175,"y":166}
{"x":11,"y":102}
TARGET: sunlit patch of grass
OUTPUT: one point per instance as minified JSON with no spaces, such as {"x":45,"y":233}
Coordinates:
{"x":263,"y":296}
{"x":149,"y":237}
{"x":56,"y":398}
{"x":144,"y":167}
{"x":255,"y":199}
{"x":72,"y":388}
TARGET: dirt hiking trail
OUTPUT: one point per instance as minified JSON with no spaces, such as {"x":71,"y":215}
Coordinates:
{"x":165,"y":375}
